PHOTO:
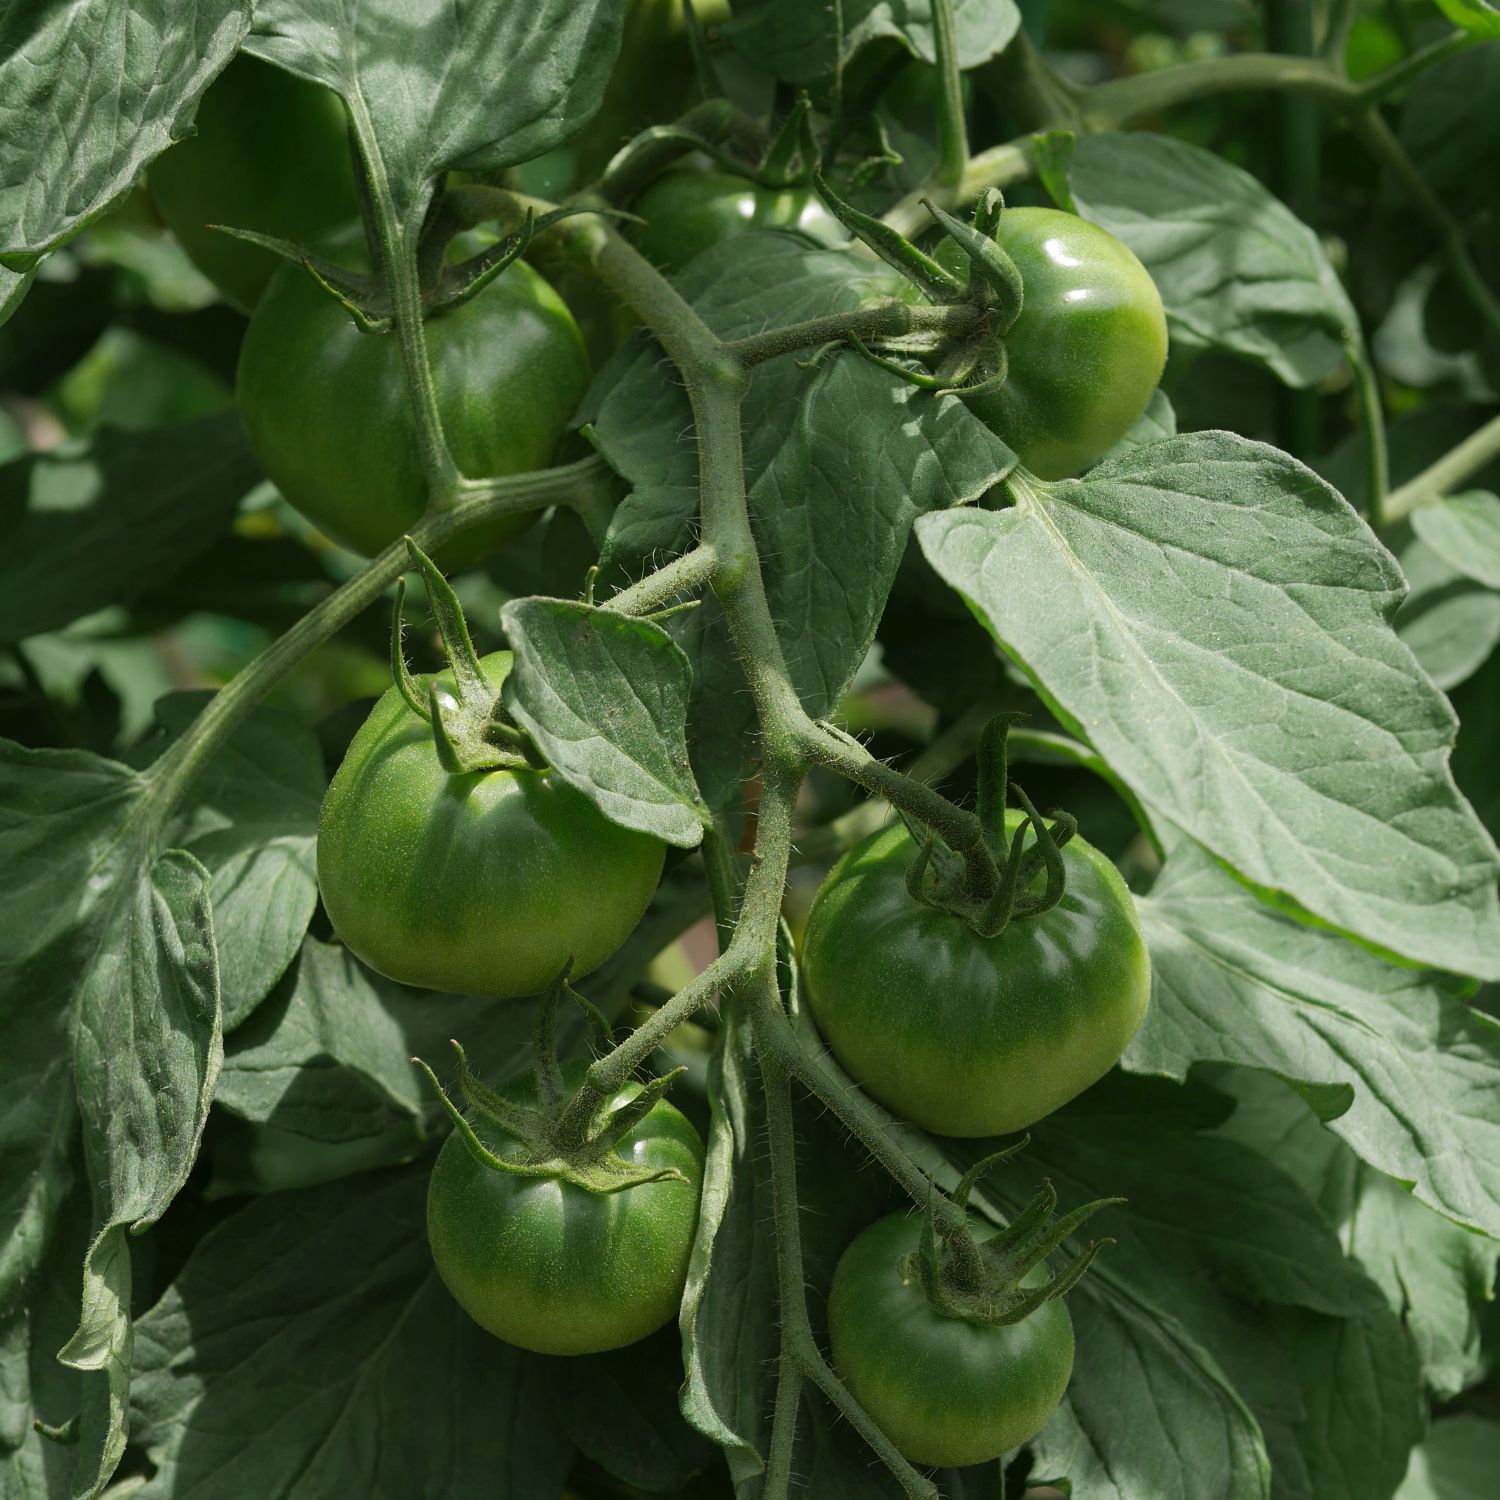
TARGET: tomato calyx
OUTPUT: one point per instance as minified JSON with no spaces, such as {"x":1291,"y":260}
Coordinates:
{"x":970,"y":267}
{"x":984,"y":1282}
{"x":570,"y":1135}
{"x":992,"y":893}
{"x":470,"y":727}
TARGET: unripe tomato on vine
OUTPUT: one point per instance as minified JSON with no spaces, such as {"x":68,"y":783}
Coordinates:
{"x":329,"y":417}
{"x":450,"y":860}
{"x":271,"y":154}
{"x":976,"y":1013}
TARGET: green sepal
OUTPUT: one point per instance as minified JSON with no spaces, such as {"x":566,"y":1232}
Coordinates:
{"x":980,"y":1282}
{"x":917,"y":378}
{"x":593,"y":1164}
{"x":363,"y":297}
{"x":470,"y":729}
{"x":889,"y":244}
{"x":994,"y":275}
{"x":786,"y":162}
{"x":406,"y":684}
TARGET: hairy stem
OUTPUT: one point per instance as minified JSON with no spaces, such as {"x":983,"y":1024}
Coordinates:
{"x":399,"y":267}
{"x":797,"y":1341}
{"x":885,"y":320}
{"x":953,"y":133}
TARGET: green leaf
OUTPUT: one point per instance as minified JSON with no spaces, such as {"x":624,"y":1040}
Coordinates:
{"x":1464,"y":530}
{"x":1236,"y":269}
{"x":1480,"y":17}
{"x":1450,"y":622}
{"x":251,"y":817}
{"x":97,"y":523}
{"x":605,"y":698}
{"x":296,"y":1353}
{"x":624,"y":1414}
{"x":121,"y":938}
{"x":1224,"y":1289}
{"x":797,"y":42}
{"x":1434,"y":1273}
{"x":433,"y":82}
{"x":1390,"y":1058}
{"x":90,"y":96}
{"x":1215,"y":621}
{"x":1448,"y":128}
{"x":328,"y":1056}
{"x":1458,"y":1461}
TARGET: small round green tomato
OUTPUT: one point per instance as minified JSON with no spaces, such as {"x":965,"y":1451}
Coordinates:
{"x":687,"y":210}
{"x":965,"y":1035}
{"x":552,"y":1267}
{"x":948,"y":1393}
{"x":329,"y":418}
{"x":1087,"y":349}
{"x":485,"y":883}
{"x":271,"y":154}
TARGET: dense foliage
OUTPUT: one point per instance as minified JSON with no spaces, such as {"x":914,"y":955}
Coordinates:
{"x":749,"y":748}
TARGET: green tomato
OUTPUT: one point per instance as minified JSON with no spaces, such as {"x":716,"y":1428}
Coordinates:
{"x":552,"y":1267}
{"x":965,"y":1035}
{"x":328,"y":414}
{"x":1086,"y":351}
{"x":484,"y":883}
{"x":948,"y":1393}
{"x":271,"y":154}
{"x":687,"y":210}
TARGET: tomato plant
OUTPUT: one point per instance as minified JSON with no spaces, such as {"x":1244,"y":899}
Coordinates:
{"x":954,"y":603}
{"x":251,"y":125}
{"x":325,"y":406}
{"x":487,"y":882}
{"x":960,"y":1033}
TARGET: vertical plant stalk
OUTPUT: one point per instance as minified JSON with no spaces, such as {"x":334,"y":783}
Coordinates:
{"x":1372,"y":430}
{"x":399,"y":267}
{"x":953,"y":130}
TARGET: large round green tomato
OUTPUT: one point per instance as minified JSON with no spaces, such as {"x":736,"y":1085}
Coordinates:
{"x":552,"y":1267}
{"x":965,"y":1035}
{"x":271,"y":154}
{"x":948,"y":1393}
{"x":485,"y":883}
{"x":329,"y":418}
{"x":1086,"y":351}
{"x":687,"y":210}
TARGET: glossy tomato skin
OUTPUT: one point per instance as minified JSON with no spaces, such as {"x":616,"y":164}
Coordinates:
{"x":1087,"y":350}
{"x":948,"y":1393}
{"x":687,"y":210}
{"x":551,"y":1267}
{"x":484,"y":883}
{"x":963,"y":1035}
{"x":326,"y":408}
{"x":271,"y":154}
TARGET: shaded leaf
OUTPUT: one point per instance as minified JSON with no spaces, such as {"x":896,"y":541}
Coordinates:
{"x":97,"y":523}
